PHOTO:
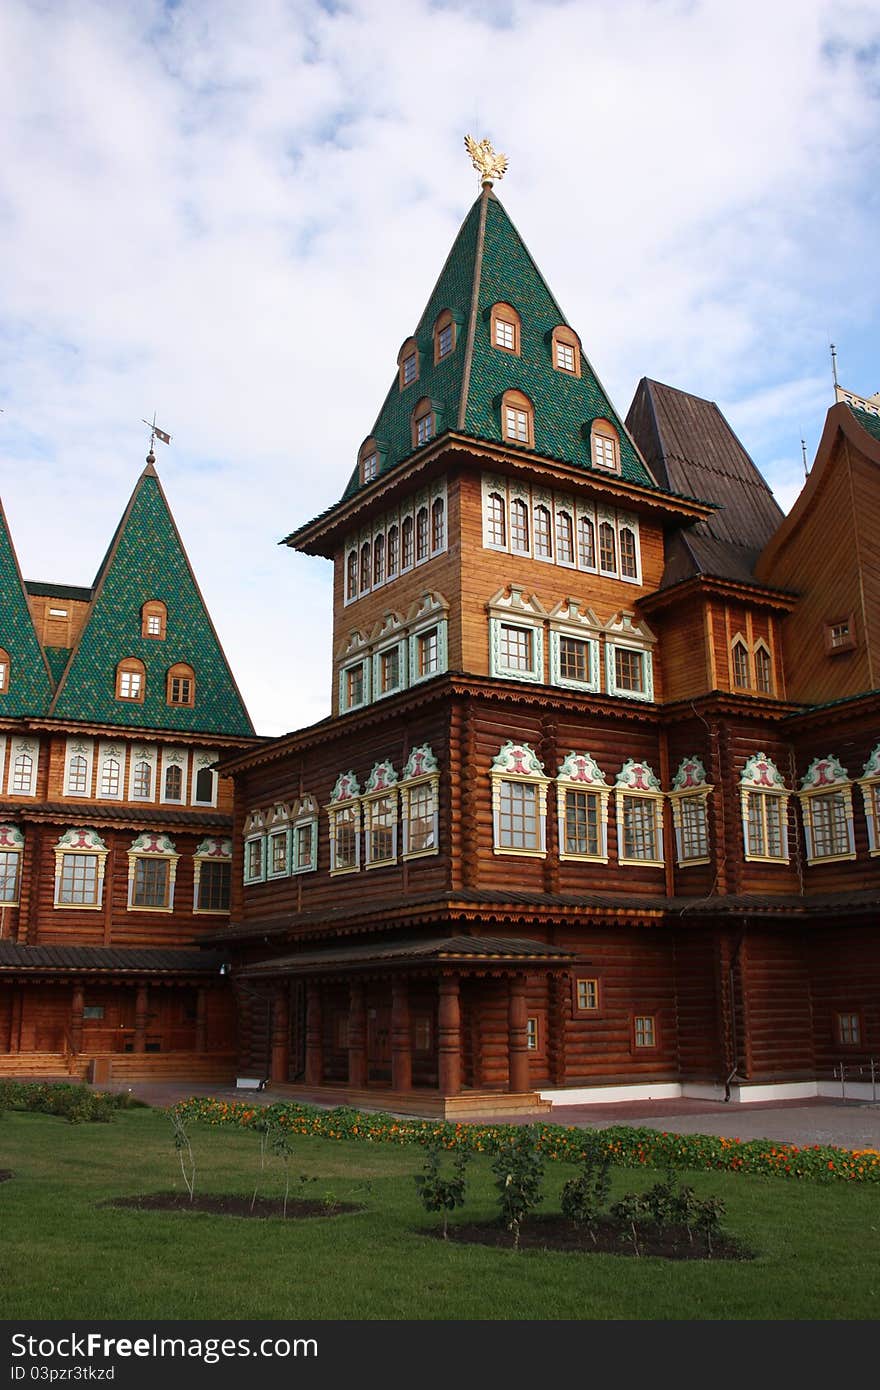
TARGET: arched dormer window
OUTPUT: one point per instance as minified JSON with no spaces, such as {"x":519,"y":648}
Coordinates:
{"x":424,"y":423}
{"x":566,"y":350}
{"x":444,"y":335}
{"x":605,"y":446}
{"x":517,"y":419}
{"x":4,"y":671}
{"x":154,"y":616}
{"x":131,"y":679}
{"x":368,"y":461}
{"x":181,"y":688}
{"x":504,"y":325}
{"x":408,"y":364}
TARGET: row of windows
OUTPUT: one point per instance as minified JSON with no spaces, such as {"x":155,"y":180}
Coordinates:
{"x":505,"y":334}
{"x":826,"y":805}
{"x":379,"y":559}
{"x":752,"y":667}
{"x":556,"y":529}
{"x":80,"y":858}
{"x":398,"y":655}
{"x":168,"y":774}
{"x":131,"y":682}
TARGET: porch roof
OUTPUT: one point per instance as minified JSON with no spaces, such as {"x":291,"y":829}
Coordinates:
{"x":448,"y":950}
{"x":19,"y":959}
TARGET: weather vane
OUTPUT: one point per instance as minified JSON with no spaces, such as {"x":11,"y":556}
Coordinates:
{"x":489,"y":165}
{"x":155,"y":433}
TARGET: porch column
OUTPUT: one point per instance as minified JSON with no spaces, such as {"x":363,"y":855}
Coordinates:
{"x":314,"y":1037}
{"x":518,"y":1057}
{"x":280,"y":1033}
{"x":357,"y":1036}
{"x":401,"y":1046}
{"x":141,"y":1010}
{"x":77,"y":1004}
{"x":15,"y":1022}
{"x":449,"y":1037}
{"x":201,"y":1019}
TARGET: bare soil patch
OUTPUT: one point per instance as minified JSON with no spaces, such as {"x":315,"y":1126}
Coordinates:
{"x":6,"y":1174}
{"x":228,"y":1204}
{"x":556,"y":1233}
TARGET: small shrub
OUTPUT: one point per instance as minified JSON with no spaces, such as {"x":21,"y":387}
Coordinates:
{"x":630,"y":1212}
{"x":708,"y":1220}
{"x":584,"y":1198}
{"x":519,"y":1173}
{"x":184,"y":1152}
{"x":72,"y":1103}
{"x":440,"y":1193}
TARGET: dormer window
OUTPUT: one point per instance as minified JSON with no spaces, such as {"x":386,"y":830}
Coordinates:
{"x":423,"y":424}
{"x":408,"y":364}
{"x":444,"y":336}
{"x":505,"y":328}
{"x":566,"y":351}
{"x":4,"y":671}
{"x":154,"y":616}
{"x":517,"y":418}
{"x":605,"y":446}
{"x":130,"y":680}
{"x":369,"y":468}
{"x":181,"y":689}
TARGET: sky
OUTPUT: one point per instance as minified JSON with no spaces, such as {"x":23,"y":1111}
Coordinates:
{"x":233,"y":214}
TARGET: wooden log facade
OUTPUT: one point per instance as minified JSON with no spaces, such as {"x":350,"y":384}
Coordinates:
{"x":577,"y":820}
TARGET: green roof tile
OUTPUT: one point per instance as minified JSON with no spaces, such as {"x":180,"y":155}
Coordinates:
{"x":868,"y":422}
{"x":147,"y":560}
{"x":29,"y":688}
{"x":57,"y":658}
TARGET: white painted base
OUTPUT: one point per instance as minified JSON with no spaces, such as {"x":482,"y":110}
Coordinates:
{"x":742,"y":1094}
{"x":249,"y":1083}
{"x":610,"y":1095}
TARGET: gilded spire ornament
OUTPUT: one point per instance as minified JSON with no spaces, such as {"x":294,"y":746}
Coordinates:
{"x":489,"y":165}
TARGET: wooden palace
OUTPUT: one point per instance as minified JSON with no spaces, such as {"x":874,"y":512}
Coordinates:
{"x":597,"y":811}
{"x":116,"y":702}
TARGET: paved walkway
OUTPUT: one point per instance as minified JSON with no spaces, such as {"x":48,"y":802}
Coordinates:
{"x":848,"y":1124}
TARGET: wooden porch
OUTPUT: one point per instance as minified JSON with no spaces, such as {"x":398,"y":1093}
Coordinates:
{"x":423,"y":1101}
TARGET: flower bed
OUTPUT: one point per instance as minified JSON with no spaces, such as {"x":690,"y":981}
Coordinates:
{"x":629,"y":1148}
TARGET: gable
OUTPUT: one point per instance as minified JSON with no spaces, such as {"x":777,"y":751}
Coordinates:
{"x":29,"y":684}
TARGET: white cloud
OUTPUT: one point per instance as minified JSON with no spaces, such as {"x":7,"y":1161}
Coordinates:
{"x":234,"y":215}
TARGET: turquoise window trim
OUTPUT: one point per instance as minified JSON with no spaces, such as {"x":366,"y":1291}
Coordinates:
{"x":270,"y":836}
{"x":611,"y":672}
{"x":592,"y":643}
{"x":496,"y":668}
{"x":401,"y":645}
{"x":440,"y":624}
{"x":261,"y":876}
{"x":312,"y":865}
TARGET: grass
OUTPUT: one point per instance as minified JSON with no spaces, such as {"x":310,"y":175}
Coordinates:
{"x":65,"y":1256}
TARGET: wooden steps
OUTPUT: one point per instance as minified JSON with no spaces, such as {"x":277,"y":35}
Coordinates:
{"x":200,"y":1068}
{"x":427,"y":1103}
{"x":41,"y":1066}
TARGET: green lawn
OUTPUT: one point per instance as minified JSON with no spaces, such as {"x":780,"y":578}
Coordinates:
{"x":65,"y":1256}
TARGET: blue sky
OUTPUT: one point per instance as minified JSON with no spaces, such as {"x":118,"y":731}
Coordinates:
{"x":234,"y":214}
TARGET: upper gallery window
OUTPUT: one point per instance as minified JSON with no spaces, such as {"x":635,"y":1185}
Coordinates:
{"x":380,"y":815}
{"x":566,"y":350}
{"x":419,"y":789}
{"x":152,"y":866}
{"x":496,"y":520}
{"x":543,"y":533}
{"x":130,"y":679}
{"x":764,"y":799}
{"x":408,"y":363}
{"x":444,"y":336}
{"x":421,"y":534}
{"x":505,"y":328}
{"x":181,"y":688}
{"x":519,"y":526}
{"x":154,"y":617}
{"x":869,"y":784}
{"x":344,"y":812}
{"x":605,"y":445}
{"x":517,"y":418}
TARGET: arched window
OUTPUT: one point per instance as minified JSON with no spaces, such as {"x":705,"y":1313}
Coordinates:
{"x":517,"y":418}
{"x":23,"y":773}
{"x":566,"y":350}
{"x":519,"y":525}
{"x":205,"y":787}
{"x":130,"y":679}
{"x":368,"y":461}
{"x":154,"y":616}
{"x":543,"y":533}
{"x":421,"y":534}
{"x":110,"y":772}
{"x":181,"y":689}
{"x":406,"y":559}
{"x":496,"y":518}
{"x":586,"y":543}
{"x":444,"y":336}
{"x":379,"y":560}
{"x":424,"y":424}
{"x":438,"y":524}
{"x":393,"y":551}
{"x":366,"y":554}
{"x":142,"y":782}
{"x":741,"y":671}
{"x":351,"y":575}
{"x":564,"y":539}
{"x":505,"y":328}
{"x":408,"y":364}
{"x":174,"y":782}
{"x":605,"y":445}
{"x":763,"y":670}
{"x":4,"y":671}
{"x":629,"y":565}
{"x":607,"y":548}
{"x":77,"y":775}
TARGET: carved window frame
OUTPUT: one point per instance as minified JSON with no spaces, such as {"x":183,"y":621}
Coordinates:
{"x":527,"y":772}
{"x":146,"y":849}
{"x":579,"y":772}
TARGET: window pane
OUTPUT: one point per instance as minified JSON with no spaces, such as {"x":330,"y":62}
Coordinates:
{"x":379,"y":560}
{"x":302,"y":846}
{"x":420,"y":830}
{"x":741,"y":666}
{"x":422,"y":534}
{"x":629,"y":669}
{"x":588,"y":994}
{"x":278,"y":853}
{"x":762,"y":670}
{"x":564,"y":539}
{"x":79,"y":879}
{"x":586,"y":543}
{"x":519,"y":525}
{"x":150,"y":883}
{"x":110,"y":777}
{"x":543,"y":534}
{"x":607,"y":548}
{"x":830,"y":829}
{"x":628,"y":561}
{"x":345,"y":840}
{"x":574,"y":659}
{"x":516,"y":648}
{"x":518,"y":817}
{"x":505,"y":334}
{"x":639,"y":828}
{"x":438,"y":524}
{"x":582,"y":822}
{"x":496,"y":527}
{"x":214,"y":886}
{"x":694,"y":831}
{"x":428,"y":648}
{"x":9,"y":863}
{"x":76,"y":779}
{"x":382,"y":819}
{"x":173,"y":783}
{"x":143,"y":781}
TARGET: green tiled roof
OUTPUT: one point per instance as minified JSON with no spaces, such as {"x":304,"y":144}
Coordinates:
{"x":57,"y":658}
{"x":564,"y":405}
{"x":30,"y":688}
{"x":868,"y":422}
{"x":147,"y":560}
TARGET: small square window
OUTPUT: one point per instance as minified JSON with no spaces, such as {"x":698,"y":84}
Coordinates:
{"x":840,"y":635}
{"x":587,"y":994}
{"x":849,"y":1030}
{"x":565,"y":357}
{"x":505,"y":335}
{"x":644,"y":1031}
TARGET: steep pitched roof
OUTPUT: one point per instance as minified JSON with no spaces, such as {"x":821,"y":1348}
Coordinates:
{"x":869,"y":422}
{"x":30,"y":684}
{"x":489,"y":263}
{"x":147,"y":560}
{"x":690,"y":448}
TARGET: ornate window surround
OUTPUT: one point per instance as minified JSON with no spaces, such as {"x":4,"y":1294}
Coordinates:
{"x":354,"y":654}
{"x":77,"y":747}
{"x":381,"y":527}
{"x":212,"y":850}
{"x":277,"y":825}
{"x":869,"y":786}
{"x":428,"y":612}
{"x":760,"y":777}
{"x":513,"y":610}
{"x":174,"y":757}
{"x":825,"y":777}
{"x":387,"y":636}
{"x":625,"y":632}
{"x":12,"y":845}
{"x":380,"y":795}
{"x":254,"y":834}
{"x":303,"y":816}
{"x":203,"y":760}
{"x":689,"y":785}
{"x":510,"y":490}
{"x":152,"y":846}
{"x":109,"y":752}
{"x":421,"y":771}
{"x":637,"y":782}
{"x":345,"y":802}
{"x":517,"y":763}
{"x":149,"y":754}
{"x":73,"y":843}
{"x":579,"y":772}
{"x":567,"y":620}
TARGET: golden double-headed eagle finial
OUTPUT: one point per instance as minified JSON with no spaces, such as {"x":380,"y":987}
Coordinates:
{"x":488,"y":164}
